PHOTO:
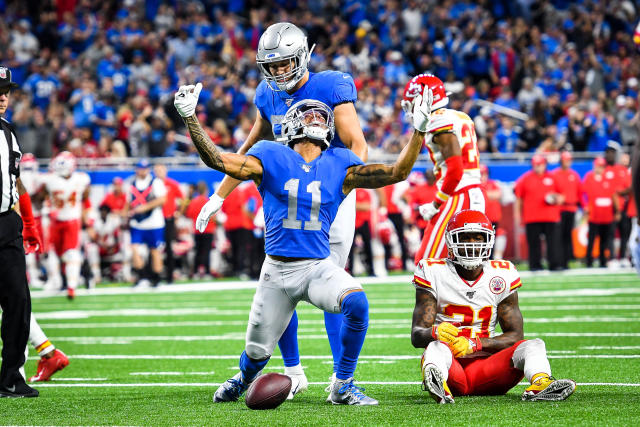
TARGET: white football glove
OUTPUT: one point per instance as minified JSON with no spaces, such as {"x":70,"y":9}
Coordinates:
{"x":211,"y":207}
{"x":428,"y":211}
{"x":186,"y":99}
{"x":422,"y":109}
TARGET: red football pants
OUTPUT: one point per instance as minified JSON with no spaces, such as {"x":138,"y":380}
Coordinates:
{"x":485,"y":376}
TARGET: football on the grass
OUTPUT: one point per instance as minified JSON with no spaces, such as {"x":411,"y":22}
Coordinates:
{"x":268,"y":391}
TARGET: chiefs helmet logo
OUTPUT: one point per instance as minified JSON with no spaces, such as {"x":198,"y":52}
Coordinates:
{"x":497,"y":285}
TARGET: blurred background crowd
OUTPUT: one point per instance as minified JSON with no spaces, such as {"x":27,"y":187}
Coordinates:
{"x":97,"y":77}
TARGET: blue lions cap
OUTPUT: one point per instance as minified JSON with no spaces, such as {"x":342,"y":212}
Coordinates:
{"x":143,"y":164}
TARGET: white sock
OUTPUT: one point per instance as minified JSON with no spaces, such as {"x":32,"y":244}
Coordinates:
{"x":438,"y":354}
{"x":500,"y":246}
{"x":294,"y":370}
{"x":53,"y":270}
{"x":531,"y":357}
{"x":38,"y":339}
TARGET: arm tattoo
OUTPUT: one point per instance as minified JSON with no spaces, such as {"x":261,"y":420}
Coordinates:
{"x":370,"y":176}
{"x":209,"y":153}
{"x":510,"y":319}
{"x":424,"y":316}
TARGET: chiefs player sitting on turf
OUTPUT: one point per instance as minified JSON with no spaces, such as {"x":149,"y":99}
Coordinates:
{"x":459,"y":300}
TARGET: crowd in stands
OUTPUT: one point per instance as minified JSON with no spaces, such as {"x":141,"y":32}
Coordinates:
{"x":97,"y":77}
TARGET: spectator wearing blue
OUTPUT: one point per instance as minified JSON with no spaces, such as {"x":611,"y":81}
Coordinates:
{"x":506,"y":138}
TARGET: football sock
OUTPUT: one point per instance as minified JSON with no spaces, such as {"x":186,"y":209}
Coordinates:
{"x":355,"y":308}
{"x":250,"y":368}
{"x":531,"y":357}
{"x":294,"y":370}
{"x":332,"y":323}
{"x":438,"y":353}
{"x":38,"y":339}
{"x":155,"y":278}
{"x":288,"y":343}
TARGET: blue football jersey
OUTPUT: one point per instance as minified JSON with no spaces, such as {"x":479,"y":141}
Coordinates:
{"x":300,"y":200}
{"x":331,"y":87}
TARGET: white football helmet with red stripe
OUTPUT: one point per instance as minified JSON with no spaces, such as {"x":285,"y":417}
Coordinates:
{"x":469,"y":254}
{"x":28,"y":163}
{"x":415,"y":87}
{"x":64,"y":164}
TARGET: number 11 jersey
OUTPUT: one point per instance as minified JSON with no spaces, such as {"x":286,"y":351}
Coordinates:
{"x":300,"y":200}
{"x":472,"y":306}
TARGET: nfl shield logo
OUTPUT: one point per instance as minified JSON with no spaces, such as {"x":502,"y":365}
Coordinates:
{"x":289,"y":101}
{"x":3,"y":73}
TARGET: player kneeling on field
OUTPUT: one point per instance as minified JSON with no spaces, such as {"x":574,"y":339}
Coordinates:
{"x":459,"y":300}
{"x":302,"y":185}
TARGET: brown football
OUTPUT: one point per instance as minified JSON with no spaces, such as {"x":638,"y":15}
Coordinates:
{"x":268,"y":391}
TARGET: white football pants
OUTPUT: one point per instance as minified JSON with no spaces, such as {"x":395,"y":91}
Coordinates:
{"x":342,"y":230}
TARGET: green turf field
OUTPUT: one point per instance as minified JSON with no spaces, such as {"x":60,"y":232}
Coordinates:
{"x":155,"y":358}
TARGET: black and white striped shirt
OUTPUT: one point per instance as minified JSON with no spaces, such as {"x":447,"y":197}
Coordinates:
{"x":9,"y":166}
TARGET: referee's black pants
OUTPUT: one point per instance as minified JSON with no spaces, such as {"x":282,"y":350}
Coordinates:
{"x":169,"y":237}
{"x":605,"y":233}
{"x":567,"y":221}
{"x":15,"y":300}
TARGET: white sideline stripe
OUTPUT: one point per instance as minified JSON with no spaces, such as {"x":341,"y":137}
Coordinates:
{"x":241,"y":337}
{"x":388,"y":323}
{"x":171,"y":373}
{"x":136,"y":312}
{"x":77,"y":379}
{"x":105,"y":385}
{"x":241,"y":284}
{"x":311,"y":357}
{"x":607,"y":347}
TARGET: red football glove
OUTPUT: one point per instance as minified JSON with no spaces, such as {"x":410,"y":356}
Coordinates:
{"x":30,"y":236}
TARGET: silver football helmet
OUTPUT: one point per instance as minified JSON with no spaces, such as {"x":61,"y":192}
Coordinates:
{"x":280,"y":42}
{"x":308,"y":119}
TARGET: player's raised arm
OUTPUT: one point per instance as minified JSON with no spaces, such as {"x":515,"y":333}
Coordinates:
{"x":235,"y":165}
{"x":378,"y":175}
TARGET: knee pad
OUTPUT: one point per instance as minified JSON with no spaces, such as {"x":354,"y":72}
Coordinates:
{"x":355,"y":308}
{"x":256,"y":351}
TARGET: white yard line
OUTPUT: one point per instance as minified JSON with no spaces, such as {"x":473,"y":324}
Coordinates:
{"x":232,"y":285}
{"x":191,"y":384}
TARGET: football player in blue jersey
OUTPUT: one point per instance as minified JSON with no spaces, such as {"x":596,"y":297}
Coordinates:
{"x":302,"y":185}
{"x":283,"y":55}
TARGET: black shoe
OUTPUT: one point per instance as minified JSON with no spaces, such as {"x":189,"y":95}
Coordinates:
{"x":19,"y":390}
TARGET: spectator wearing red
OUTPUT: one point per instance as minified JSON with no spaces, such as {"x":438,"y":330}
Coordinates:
{"x":363,"y":229}
{"x":239,"y":229}
{"x":394,"y":194}
{"x":169,"y":209}
{"x":203,"y":241}
{"x":538,"y":201}
{"x":493,"y":209}
{"x":116,"y":199}
{"x":620,"y":176}
{"x":423,"y":190}
{"x":602,"y":209}
{"x":570,"y":187}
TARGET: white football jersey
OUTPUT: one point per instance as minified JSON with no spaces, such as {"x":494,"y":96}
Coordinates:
{"x":107,"y":231}
{"x":66,"y":194}
{"x":472,"y":306}
{"x":446,"y":120}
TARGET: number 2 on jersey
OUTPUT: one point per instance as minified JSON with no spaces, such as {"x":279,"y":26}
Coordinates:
{"x":469,"y":315}
{"x":470,"y":157}
{"x":291,"y":220}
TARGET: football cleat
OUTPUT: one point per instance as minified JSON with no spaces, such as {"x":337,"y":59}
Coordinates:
{"x":299,"y":384}
{"x":549,"y":388}
{"x":345,"y":392}
{"x":48,"y":367}
{"x":71,"y":294}
{"x":332,"y":381}
{"x":434,"y":383}
{"x":232,"y":389}
{"x":18,"y":390}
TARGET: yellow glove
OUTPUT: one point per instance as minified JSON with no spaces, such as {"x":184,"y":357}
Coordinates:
{"x":444,"y":332}
{"x":462,"y":346}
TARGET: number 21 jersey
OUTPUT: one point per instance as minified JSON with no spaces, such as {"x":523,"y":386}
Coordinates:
{"x":472,"y":306}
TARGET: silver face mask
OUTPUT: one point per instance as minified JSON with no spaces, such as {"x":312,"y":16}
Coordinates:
{"x":470,"y":255}
{"x":308,"y":119}
{"x":283,"y":42}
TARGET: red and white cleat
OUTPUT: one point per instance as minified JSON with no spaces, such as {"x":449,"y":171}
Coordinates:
{"x":48,"y":367}
{"x":71,"y":293}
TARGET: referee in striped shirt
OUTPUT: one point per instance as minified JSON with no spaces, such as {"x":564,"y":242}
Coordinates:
{"x":15,"y":239}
